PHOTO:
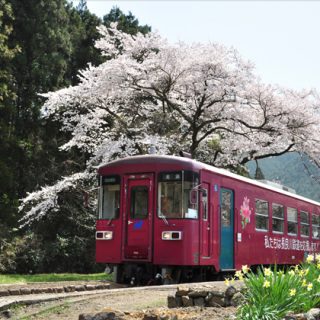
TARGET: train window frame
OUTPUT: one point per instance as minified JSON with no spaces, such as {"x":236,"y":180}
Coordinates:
{"x":226,"y":208}
{"x":304,"y":225}
{"x":261,"y":215}
{"x":315,"y":224}
{"x":113,"y":183}
{"x":204,"y":202}
{"x":135,"y":190}
{"x":277,"y":219}
{"x":289,"y":221}
{"x":184,"y":180}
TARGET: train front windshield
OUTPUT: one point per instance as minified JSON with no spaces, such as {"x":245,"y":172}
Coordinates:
{"x":175,"y":199}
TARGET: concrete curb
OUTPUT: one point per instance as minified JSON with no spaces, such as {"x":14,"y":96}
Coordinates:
{"x":8,"y":301}
{"x":60,"y":289}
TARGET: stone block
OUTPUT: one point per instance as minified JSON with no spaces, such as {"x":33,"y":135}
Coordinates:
{"x":212,"y":300}
{"x":90,"y":287}
{"x":313,"y":314}
{"x":25,"y":291}
{"x":198,"y":294}
{"x":181,"y":291}
{"x":36,"y":290}
{"x":150,"y":316}
{"x":100,"y":286}
{"x":80,"y":288}
{"x":179,"y":302}
{"x":230,"y":292}
{"x":14,"y":292}
{"x":4,"y":293}
{"x":297,"y":316}
{"x":72,"y":288}
{"x":6,"y":313}
{"x":187,"y":301}
{"x":216,"y":293}
{"x":199,"y":302}
{"x":237,"y":299}
{"x":171,"y":302}
{"x":108,"y":316}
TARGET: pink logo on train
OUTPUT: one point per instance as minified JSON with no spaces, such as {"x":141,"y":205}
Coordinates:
{"x":245,"y":212}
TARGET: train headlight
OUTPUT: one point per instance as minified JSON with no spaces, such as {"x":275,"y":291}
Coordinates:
{"x":171,"y":235}
{"x":104,"y":235}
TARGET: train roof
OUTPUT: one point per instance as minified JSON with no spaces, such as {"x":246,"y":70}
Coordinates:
{"x":198,"y":166}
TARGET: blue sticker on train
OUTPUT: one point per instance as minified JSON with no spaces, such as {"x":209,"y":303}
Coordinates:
{"x":137,"y":225}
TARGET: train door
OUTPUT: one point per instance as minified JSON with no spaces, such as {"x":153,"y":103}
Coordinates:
{"x":138,"y":218}
{"x":227,"y":229}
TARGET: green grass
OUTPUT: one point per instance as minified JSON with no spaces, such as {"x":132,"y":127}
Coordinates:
{"x":52,"y":277}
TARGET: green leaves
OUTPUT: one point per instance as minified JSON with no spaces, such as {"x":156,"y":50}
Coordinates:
{"x":271,"y":294}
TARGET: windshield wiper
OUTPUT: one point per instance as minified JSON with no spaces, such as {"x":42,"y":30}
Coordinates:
{"x":163,"y":217}
{"x":110,"y":220}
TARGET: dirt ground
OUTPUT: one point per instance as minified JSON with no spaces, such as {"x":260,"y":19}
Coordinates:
{"x":134,"y":302}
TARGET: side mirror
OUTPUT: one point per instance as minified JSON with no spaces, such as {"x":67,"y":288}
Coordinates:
{"x":193,"y":196}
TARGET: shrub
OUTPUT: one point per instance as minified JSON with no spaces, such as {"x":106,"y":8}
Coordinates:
{"x":271,"y":294}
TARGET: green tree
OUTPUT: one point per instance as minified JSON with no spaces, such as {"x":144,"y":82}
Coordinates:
{"x":83,"y":27}
{"x":55,"y":40}
{"x":127,"y":23}
{"x":7,"y":114}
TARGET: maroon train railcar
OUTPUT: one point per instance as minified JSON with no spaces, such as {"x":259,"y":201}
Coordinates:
{"x":177,"y":218}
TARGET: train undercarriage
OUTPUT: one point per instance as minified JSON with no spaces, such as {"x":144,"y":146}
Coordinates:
{"x":135,"y":274}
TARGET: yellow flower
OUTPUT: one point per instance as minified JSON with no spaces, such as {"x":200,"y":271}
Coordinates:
{"x":266,"y":284}
{"x":301,"y":273}
{"x":292,"y":292}
{"x":309,"y":258}
{"x":309,"y":286}
{"x":304,"y":283}
{"x":291,"y":272}
{"x":239,"y":275}
{"x":227,"y":282}
{"x":245,"y":269}
{"x":267,"y":272}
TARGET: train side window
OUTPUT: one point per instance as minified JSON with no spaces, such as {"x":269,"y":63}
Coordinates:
{"x":139,"y":202}
{"x":226,"y":200}
{"x":292,"y":221}
{"x":304,"y":220}
{"x":262,"y":215}
{"x":277,"y":218}
{"x":205,"y":204}
{"x":315,"y":226}
{"x":109,"y":203}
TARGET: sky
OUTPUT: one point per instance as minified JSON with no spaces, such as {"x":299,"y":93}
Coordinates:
{"x":281,"y":38}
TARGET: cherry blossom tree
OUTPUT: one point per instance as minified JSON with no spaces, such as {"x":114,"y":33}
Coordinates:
{"x":201,"y":98}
